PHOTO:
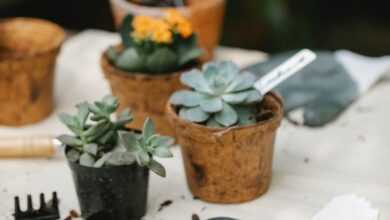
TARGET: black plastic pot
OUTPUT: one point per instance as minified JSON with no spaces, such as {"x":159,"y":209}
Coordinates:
{"x":117,"y":193}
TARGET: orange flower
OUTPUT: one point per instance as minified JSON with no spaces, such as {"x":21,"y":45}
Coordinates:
{"x":173,"y":17}
{"x":185,"y":29}
{"x":161,"y":32}
{"x":179,"y":23}
{"x":143,"y":25}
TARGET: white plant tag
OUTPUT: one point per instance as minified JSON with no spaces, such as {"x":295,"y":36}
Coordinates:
{"x":285,"y":70}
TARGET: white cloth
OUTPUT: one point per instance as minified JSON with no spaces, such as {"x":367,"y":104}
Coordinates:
{"x":311,"y":166}
{"x":366,"y":71}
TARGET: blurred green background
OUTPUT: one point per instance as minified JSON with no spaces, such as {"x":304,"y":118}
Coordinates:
{"x":269,"y":25}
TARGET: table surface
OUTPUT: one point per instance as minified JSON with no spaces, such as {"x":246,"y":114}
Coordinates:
{"x":311,"y":166}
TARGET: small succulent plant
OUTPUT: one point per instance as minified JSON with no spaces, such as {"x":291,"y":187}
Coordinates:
{"x":154,"y":45}
{"x":221,"y":96}
{"x":100,"y":141}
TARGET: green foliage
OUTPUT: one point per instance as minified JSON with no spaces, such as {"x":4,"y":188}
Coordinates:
{"x":147,"y":145}
{"x":152,"y":57}
{"x":99,"y":141}
{"x":221,"y":96}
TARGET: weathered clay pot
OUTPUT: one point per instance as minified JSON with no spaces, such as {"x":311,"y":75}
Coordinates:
{"x":145,"y":94}
{"x":229,"y":165}
{"x":206,"y":17}
{"x":28,"y":52}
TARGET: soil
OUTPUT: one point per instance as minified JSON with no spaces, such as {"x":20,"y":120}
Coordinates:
{"x":165,"y":204}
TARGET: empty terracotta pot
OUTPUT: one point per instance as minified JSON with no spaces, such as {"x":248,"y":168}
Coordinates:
{"x":230,"y":165}
{"x":206,"y":17}
{"x":28,"y":52}
{"x":145,"y":94}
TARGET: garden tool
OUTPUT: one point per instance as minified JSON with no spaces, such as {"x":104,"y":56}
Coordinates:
{"x":46,"y":211}
{"x":318,"y":94}
{"x":25,"y":147}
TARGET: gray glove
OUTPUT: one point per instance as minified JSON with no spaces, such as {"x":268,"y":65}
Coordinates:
{"x":320,"y":92}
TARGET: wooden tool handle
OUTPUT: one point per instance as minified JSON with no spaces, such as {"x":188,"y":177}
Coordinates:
{"x":22,"y":147}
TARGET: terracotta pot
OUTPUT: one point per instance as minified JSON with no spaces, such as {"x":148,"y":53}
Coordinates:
{"x":28,"y":52}
{"x":145,"y":94}
{"x":206,"y":17}
{"x":229,"y":165}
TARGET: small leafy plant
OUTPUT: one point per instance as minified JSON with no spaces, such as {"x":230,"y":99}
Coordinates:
{"x":221,"y":96}
{"x":152,"y":45}
{"x":98,"y":140}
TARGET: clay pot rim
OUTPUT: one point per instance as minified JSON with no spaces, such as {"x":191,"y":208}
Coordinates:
{"x":17,"y":55}
{"x":138,"y":75}
{"x":274,"y":120}
{"x":157,"y":11}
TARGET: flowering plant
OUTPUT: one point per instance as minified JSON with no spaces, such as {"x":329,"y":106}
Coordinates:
{"x":155,"y":45}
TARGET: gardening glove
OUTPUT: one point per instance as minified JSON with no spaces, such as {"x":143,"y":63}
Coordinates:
{"x":319,"y":93}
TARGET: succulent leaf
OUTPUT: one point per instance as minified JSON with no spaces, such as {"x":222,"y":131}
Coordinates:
{"x":195,"y":114}
{"x":242,"y":82}
{"x":212,"y":105}
{"x":129,"y":140}
{"x":196,"y":80}
{"x":91,"y":149}
{"x":130,"y":60}
{"x":187,"y":98}
{"x":253,"y":97}
{"x":87,"y":160}
{"x":71,"y":141}
{"x":162,"y":151}
{"x":157,"y":168}
{"x":214,"y":93}
{"x":162,"y":60}
{"x":227,"y":117}
{"x":73,"y":155}
{"x":235,"y":98}
{"x":149,"y":129}
{"x":120,"y":159}
{"x":246,"y":115}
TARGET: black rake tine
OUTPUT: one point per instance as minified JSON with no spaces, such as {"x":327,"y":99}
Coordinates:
{"x":42,"y":201}
{"x":55,"y":199}
{"x":29,"y":204}
{"x":17,"y":205}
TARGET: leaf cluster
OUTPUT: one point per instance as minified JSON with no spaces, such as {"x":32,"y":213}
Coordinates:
{"x":221,"y":96}
{"x":152,"y":57}
{"x":98,"y":138}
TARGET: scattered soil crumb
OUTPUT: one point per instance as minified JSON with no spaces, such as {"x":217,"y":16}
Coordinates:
{"x":361,"y":138}
{"x":306,"y":160}
{"x":165,"y":204}
{"x":195,"y":217}
{"x":72,"y":214}
{"x":196,"y":198}
{"x":183,"y":197}
{"x":203,"y":208}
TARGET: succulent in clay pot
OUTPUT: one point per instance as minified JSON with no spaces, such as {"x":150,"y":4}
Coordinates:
{"x":226,"y":130}
{"x":110,"y":164}
{"x":144,"y":70}
{"x":205,"y":16}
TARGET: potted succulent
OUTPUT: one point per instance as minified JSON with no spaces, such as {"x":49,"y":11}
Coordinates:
{"x":226,"y":131}
{"x":109,"y":163}
{"x":28,"y":53}
{"x":206,"y":17}
{"x":144,"y":70}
